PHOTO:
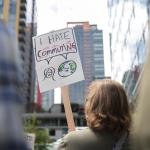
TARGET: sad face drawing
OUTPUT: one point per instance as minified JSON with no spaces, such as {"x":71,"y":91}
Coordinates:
{"x":67,"y":68}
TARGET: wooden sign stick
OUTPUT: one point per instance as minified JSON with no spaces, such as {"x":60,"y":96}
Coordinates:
{"x":67,"y":106}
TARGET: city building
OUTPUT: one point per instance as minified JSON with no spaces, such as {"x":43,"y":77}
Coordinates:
{"x":8,"y":12}
{"x":14,"y":13}
{"x":1,"y":8}
{"x":54,"y":121}
{"x":27,"y":29}
{"x":47,"y":100}
{"x":29,"y":73}
{"x":90,"y":45}
{"x":128,"y":21}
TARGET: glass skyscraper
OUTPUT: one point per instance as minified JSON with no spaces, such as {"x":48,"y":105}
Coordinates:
{"x":1,"y":8}
{"x":90,"y":44}
{"x":129,"y":33}
{"x":47,"y":100}
{"x":8,"y":10}
{"x":12,"y":13}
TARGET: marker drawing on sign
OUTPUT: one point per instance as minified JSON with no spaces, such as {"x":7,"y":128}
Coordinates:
{"x":61,"y":43}
{"x":49,"y":73}
{"x":57,"y":59}
{"x":67,"y":68}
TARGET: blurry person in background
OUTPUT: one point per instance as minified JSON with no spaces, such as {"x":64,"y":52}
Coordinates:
{"x":141,"y":118}
{"x":11,"y":130}
{"x":108,"y":119}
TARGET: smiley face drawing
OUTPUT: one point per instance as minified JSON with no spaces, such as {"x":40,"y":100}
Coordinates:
{"x":67,"y":68}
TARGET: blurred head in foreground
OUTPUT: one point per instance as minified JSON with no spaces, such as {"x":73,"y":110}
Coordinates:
{"x":11,"y":133}
{"x":141,"y":118}
{"x":107,"y":107}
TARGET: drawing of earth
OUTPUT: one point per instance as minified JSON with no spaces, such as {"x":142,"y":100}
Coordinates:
{"x":67,"y":68}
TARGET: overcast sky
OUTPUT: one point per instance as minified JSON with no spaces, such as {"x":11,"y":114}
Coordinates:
{"x":54,"y":14}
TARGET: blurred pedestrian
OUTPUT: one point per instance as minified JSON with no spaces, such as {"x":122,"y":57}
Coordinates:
{"x":11,"y":130}
{"x":108,"y":119}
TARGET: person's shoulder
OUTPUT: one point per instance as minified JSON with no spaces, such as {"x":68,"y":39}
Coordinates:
{"x":75,"y":139}
{"x":78,"y":133}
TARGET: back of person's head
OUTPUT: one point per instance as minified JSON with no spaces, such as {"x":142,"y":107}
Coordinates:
{"x":107,"y":107}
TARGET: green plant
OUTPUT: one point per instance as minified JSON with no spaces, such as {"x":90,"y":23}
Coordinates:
{"x":41,"y":135}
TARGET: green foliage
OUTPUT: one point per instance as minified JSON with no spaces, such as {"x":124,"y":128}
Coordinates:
{"x":41,"y":140}
{"x":42,"y":137}
{"x":30,"y":125}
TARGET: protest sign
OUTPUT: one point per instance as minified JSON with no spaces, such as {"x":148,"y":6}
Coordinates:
{"x":57,"y":59}
{"x":30,"y":140}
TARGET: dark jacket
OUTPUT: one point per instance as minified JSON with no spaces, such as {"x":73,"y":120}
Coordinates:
{"x":87,"y":139}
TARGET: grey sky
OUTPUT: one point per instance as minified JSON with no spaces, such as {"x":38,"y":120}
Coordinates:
{"x":54,"y":14}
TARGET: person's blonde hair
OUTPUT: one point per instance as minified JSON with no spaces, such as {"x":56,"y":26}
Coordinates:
{"x":107,"y":107}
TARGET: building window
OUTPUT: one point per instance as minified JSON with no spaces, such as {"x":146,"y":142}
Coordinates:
{"x":98,"y":45}
{"x":52,"y":132}
{"x":97,"y":38}
{"x":63,"y":122}
{"x":97,"y":34}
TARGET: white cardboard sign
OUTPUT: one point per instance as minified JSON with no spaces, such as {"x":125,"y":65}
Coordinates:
{"x":30,"y":140}
{"x":57,"y":59}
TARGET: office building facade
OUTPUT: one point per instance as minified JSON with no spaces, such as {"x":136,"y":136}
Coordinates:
{"x":8,"y":12}
{"x":14,"y":13}
{"x":129,"y":33}
{"x":90,"y":45}
{"x":47,"y":100}
{"x":1,"y":8}
{"x":26,"y":30}
{"x":55,"y":122}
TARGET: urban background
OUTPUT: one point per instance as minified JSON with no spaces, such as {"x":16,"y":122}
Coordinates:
{"x":127,"y":45}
